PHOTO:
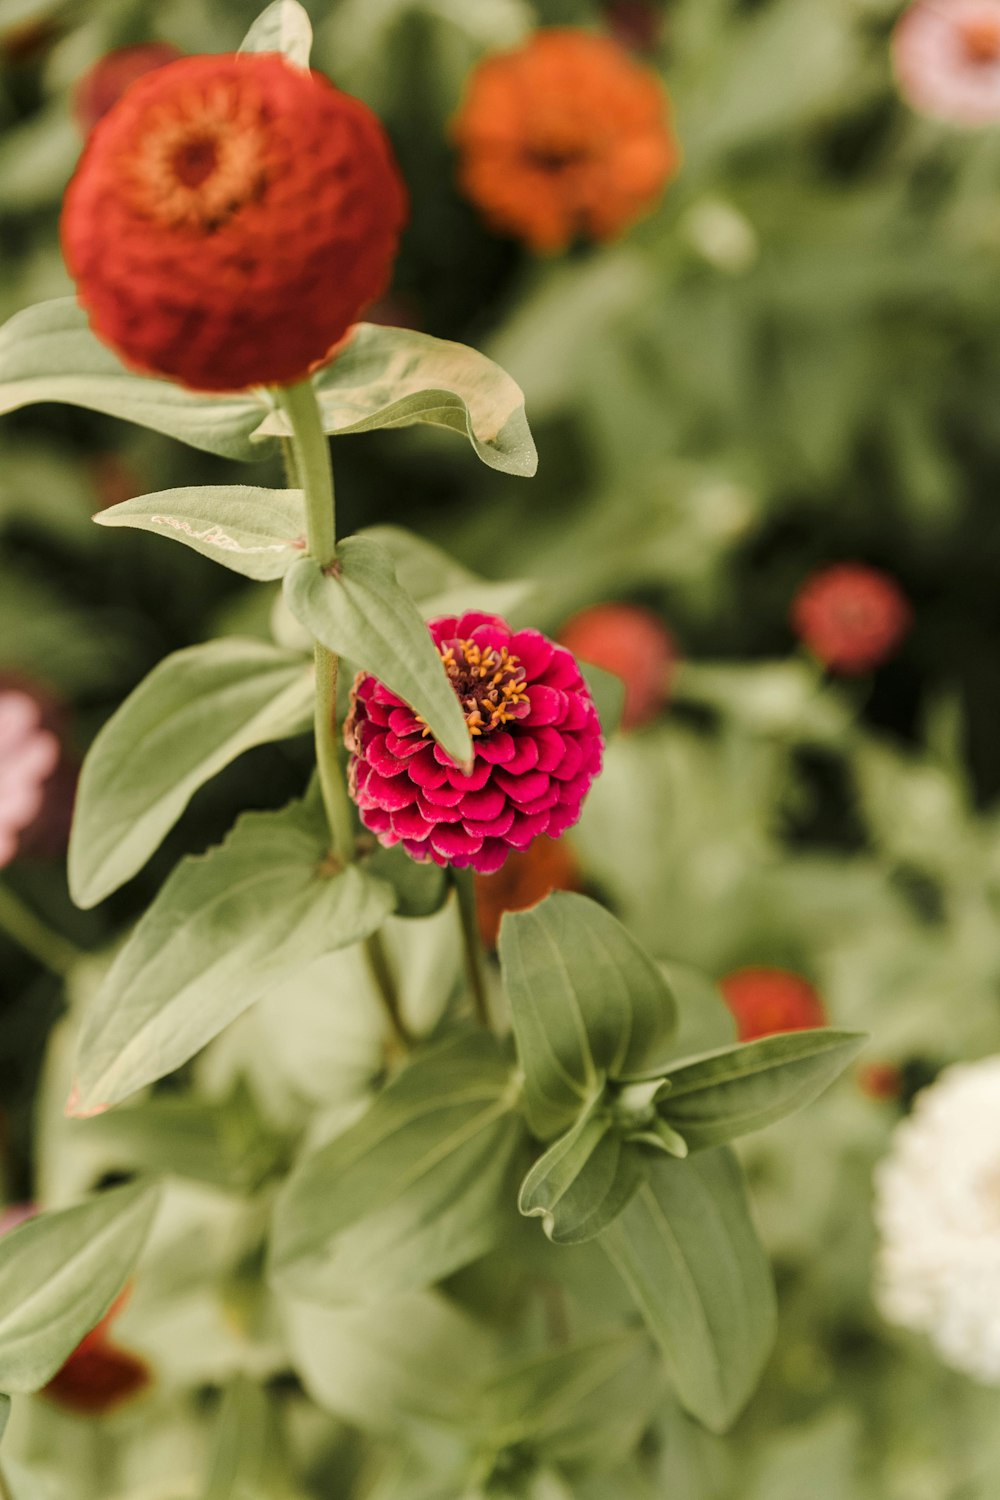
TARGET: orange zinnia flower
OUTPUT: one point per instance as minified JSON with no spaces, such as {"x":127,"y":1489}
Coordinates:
{"x":565,"y":136}
{"x":527,"y":878}
{"x":764,"y":1001}
{"x":230,"y":218}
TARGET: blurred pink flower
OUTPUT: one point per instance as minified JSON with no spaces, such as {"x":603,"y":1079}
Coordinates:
{"x":536,"y":740}
{"x":29,"y":754}
{"x":946,"y":55}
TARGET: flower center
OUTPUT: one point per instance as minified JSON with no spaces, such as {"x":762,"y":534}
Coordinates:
{"x":200,"y":158}
{"x":981,"y":40}
{"x":490,"y":684}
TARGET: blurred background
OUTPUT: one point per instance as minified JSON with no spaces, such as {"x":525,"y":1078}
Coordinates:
{"x":790,"y":361}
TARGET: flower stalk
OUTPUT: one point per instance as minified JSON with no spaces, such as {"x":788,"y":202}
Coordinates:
{"x":50,"y":949}
{"x":465,"y":896}
{"x":311,"y":459}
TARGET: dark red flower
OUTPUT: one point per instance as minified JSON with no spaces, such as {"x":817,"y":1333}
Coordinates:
{"x":103,"y":84}
{"x":526,"y":878}
{"x":536,"y":739}
{"x":99,"y":1375}
{"x":632,"y":643}
{"x":635,"y":23}
{"x":852,"y":617}
{"x":230,"y":218}
{"x":565,"y":136}
{"x":764,"y":1001}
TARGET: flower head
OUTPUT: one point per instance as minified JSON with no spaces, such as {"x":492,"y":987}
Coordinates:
{"x":103,"y":84}
{"x":946,"y":55}
{"x":536,"y":741}
{"x":29,"y":754}
{"x":851,"y":617}
{"x":937,"y":1207}
{"x":635,"y":645}
{"x":527,"y":878}
{"x":565,"y":136}
{"x":230,"y":218}
{"x":764,"y":1001}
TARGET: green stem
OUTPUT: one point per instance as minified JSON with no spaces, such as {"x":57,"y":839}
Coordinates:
{"x":53,"y":952}
{"x":465,"y":894}
{"x":389,"y":990}
{"x":310,"y":461}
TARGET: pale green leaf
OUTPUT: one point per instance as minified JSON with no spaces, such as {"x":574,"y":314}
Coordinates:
{"x":395,"y":377}
{"x":4,"y":1414}
{"x":731,"y":1092}
{"x":409,"y":1193}
{"x":369,"y":1364}
{"x":195,"y":712}
{"x":585,"y":1404}
{"x":227,"y":927}
{"x":358,"y":610}
{"x":60,"y":1273}
{"x":587,"y":1003}
{"x":439,"y":584}
{"x":582,"y":1181}
{"x":252,"y":531}
{"x":248,"y":1460}
{"x":48,"y":353}
{"x":687,"y":1249}
{"x":283,"y":27}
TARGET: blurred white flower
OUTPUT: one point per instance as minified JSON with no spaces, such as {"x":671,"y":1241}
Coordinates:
{"x":29,"y":754}
{"x":937,"y":1207}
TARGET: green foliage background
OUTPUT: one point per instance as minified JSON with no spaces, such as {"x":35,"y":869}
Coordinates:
{"x":794,"y":361}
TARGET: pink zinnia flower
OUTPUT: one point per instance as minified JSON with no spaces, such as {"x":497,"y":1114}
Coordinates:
{"x":29,"y":753}
{"x":635,"y":645}
{"x":536,"y":739}
{"x":851,"y":617}
{"x":946,"y":55}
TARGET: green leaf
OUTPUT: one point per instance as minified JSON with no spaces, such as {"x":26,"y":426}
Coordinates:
{"x":608,"y":693}
{"x":4,"y":1415}
{"x":586,"y":1404}
{"x":439,"y":584}
{"x":409,"y":1193}
{"x":587,"y":1003}
{"x":223,"y":1142}
{"x":252,"y":531}
{"x":582,"y":1182}
{"x":688,"y":1252}
{"x":421,"y":886}
{"x":60,"y":1273}
{"x":724,"y":1094}
{"x":227,"y":927}
{"x":282,"y":27}
{"x":48,"y":353}
{"x":248,"y":1459}
{"x":195,"y":712}
{"x":358,"y":610}
{"x":394,"y":377}
{"x":369,"y":1364}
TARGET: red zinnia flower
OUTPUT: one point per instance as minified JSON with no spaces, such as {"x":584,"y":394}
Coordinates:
{"x":29,"y":754}
{"x":564,"y":136}
{"x":764,"y":1001}
{"x":632,"y":643}
{"x":229,"y":220}
{"x":536,"y":739}
{"x":527,"y":878}
{"x":103,"y":84}
{"x":851,"y":617}
{"x":946,"y":55}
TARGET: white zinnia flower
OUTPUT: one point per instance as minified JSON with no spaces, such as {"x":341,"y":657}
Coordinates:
{"x":937,"y":1206}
